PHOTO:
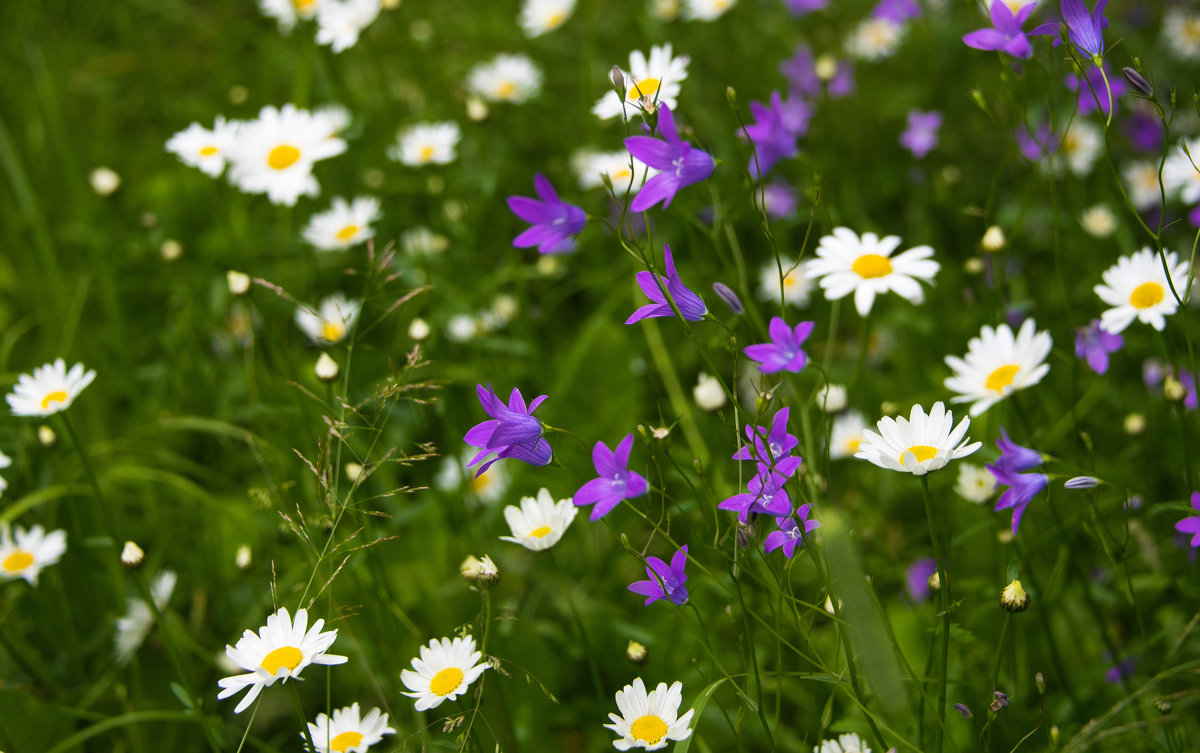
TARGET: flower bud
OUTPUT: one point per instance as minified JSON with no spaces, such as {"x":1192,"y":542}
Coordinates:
{"x":708,"y":393}
{"x":618,"y":79}
{"x":242,"y":558}
{"x":104,"y":180}
{"x":934,"y":581}
{"x":489,"y":574}
{"x":1137,"y":82}
{"x":1173,"y":389}
{"x":1082,"y":482}
{"x":418,"y":329}
{"x":999,"y":700}
{"x":477,"y":109}
{"x":962,"y":709}
{"x":831,"y":398}
{"x":993,"y":239}
{"x":1040,"y":681}
{"x":238,"y":282}
{"x":1135,"y":423}
{"x":132,"y":556}
{"x":731,"y":96}
{"x":170,"y":250}
{"x":1014,"y":598}
{"x":354,"y":472}
{"x":470,"y":568}
{"x":637,"y":653}
{"x":726,"y":294}
{"x":46,"y":436}
{"x":1164,"y":706}
{"x":326,"y":369}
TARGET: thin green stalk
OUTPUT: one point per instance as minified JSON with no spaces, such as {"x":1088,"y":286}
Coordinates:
{"x":762,"y":717}
{"x":944,"y":597}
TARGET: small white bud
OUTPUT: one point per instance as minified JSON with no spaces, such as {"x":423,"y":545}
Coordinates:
{"x":708,"y":393}
{"x":46,"y":436}
{"x":170,"y":250}
{"x":993,"y":239}
{"x":104,"y":180}
{"x":242,"y":559}
{"x":132,"y":555}
{"x":1135,"y":423}
{"x":477,"y":109}
{"x":238,"y":282}
{"x":326,"y":369}
{"x":418,"y":329}
{"x":354,"y":472}
{"x":831,"y":398}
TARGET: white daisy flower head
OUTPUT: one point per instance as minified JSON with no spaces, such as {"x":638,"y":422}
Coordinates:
{"x":1082,"y":144}
{"x":275,"y":153}
{"x":23,"y":553}
{"x":708,"y":393}
{"x":797,"y":282}
{"x":443,"y":671}
{"x":540,"y":16}
{"x":488,"y":486}
{"x":334,"y":118}
{"x":539,"y":522}
{"x":427,"y":144}
{"x":282,"y":649}
{"x":918,"y":444}
{"x":624,"y":171}
{"x":1180,"y":174}
{"x":343,"y":225}
{"x":657,"y":77}
{"x":197,"y":146}
{"x":287,"y":12}
{"x":347,"y":731}
{"x":1098,"y":221}
{"x":421,"y":241}
{"x":506,"y":78}
{"x":1181,"y":32}
{"x":330,"y":322}
{"x":975,"y":483}
{"x":1137,"y":288}
{"x":865,"y":266}
{"x":875,"y":39}
{"x":998,"y":364}
{"x":846,"y":436}
{"x":848,"y":743}
{"x":5,"y":461}
{"x":706,"y":10}
{"x":339,"y":22}
{"x":135,"y":625}
{"x":1141,"y":183}
{"x":49,"y":390}
{"x":831,"y":398}
{"x":649,"y":720}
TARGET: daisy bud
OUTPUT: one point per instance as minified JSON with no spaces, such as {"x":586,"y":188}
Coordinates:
{"x":637,"y":653}
{"x":326,"y":369}
{"x":1173,"y":389}
{"x":1137,"y":82}
{"x":831,"y":398}
{"x":104,"y":180}
{"x":1014,"y":598}
{"x":745,"y":534}
{"x":1082,"y":482}
{"x":726,"y":294}
{"x":418,"y":329}
{"x":477,"y":109}
{"x":354,"y":472}
{"x":708,"y":393}
{"x":618,"y":80}
{"x":1135,"y":423}
{"x":1054,"y":734}
{"x":731,"y":96}
{"x":238,"y":94}
{"x":999,"y":701}
{"x":470,"y":568}
{"x":1098,"y":221}
{"x":973,"y":266}
{"x":489,"y":574}
{"x":659,"y":432}
{"x":238,"y":282}
{"x":934,"y":581}
{"x":46,"y":436}
{"x":993,"y":239}
{"x":170,"y":250}
{"x":132,"y":556}
{"x":1040,"y":681}
{"x":242,"y":558}
{"x":962,"y":709}
{"x":1164,"y":706}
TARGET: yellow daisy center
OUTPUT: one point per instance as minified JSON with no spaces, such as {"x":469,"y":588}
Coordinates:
{"x":284,"y":656}
{"x":647,"y":87}
{"x":553,"y":21}
{"x":58,"y":396}
{"x":1191,"y":30}
{"x":540,"y":532}
{"x":621,"y":175}
{"x":283,"y":157}
{"x":481,"y":482}
{"x":17,"y":561}
{"x":426,"y":153}
{"x":1001,"y":377}
{"x":649,"y":729}
{"x":345,"y":741}
{"x":852,"y":445}
{"x":347,"y":232}
{"x":303,"y":5}
{"x":921,"y":452}
{"x":333,"y":331}
{"x":446,"y":681}
{"x":208,"y":151}
{"x":868,"y":266}
{"x":1146,"y":295}
{"x":506,"y":90}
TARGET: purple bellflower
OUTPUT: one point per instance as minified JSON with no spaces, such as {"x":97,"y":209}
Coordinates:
{"x":1008,"y":471}
{"x":781,"y":199}
{"x":789,"y":534}
{"x":768,"y":445}
{"x":1094,"y":82}
{"x":1144,"y":130}
{"x":664,"y":582}
{"x":681,"y":165}
{"x":1119,"y":671}
{"x":615,"y":481}
{"x":803,"y":7}
{"x":1192,"y":525}
{"x":775,"y":130}
{"x":1095,"y":343}
{"x":690,"y":304}
{"x":916,"y":578}
{"x":765,"y":494}
{"x":555,"y":222}
{"x":511,"y":433}
{"x":783,"y":353}
{"x":1084,"y":30}
{"x":1188,"y":380}
{"x":1006,"y":36}
{"x":1015,"y":458}
{"x":922,"y":135}
{"x":1035,"y":145}
{"x":801,"y":72}
{"x":896,"y":11}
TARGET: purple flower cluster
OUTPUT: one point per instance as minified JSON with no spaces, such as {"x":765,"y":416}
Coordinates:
{"x":1094,"y":343}
{"x":1009,"y":471}
{"x":922,"y":135}
{"x":663,"y":581}
{"x":775,"y":130}
{"x":555,"y":222}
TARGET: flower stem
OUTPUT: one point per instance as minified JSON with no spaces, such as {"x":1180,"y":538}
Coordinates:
{"x":944,"y":596}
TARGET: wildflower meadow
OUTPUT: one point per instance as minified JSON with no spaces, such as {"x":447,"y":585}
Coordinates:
{"x":568,"y":375}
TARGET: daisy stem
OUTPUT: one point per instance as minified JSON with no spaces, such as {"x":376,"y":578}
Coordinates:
{"x":249,"y":724}
{"x":593,"y":668}
{"x":737,"y":583}
{"x":944,"y":596}
{"x":985,"y":733}
{"x":303,"y":720}
{"x":862,"y":349}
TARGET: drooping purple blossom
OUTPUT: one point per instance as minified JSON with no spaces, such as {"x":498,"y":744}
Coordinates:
{"x":614,"y":482}
{"x":1188,"y":380}
{"x":803,"y":7}
{"x":896,"y":11}
{"x":922,"y":134}
{"x":768,"y":445}
{"x":690,"y":304}
{"x":1144,"y":130}
{"x":1006,"y":35}
{"x":555,"y":222}
{"x":1094,"y":82}
{"x":1038,"y":144}
{"x":1085,"y":29}
{"x":1014,"y":457}
{"x":781,"y":199}
{"x":789,"y":535}
{"x":916,"y":578}
{"x":680,"y":163}
{"x":801,"y":71}
{"x":783,"y":353}
{"x":512,"y":432}
{"x":765,"y":493}
{"x":1094,"y":343}
{"x":1192,"y":524}
{"x":1008,"y":471}
{"x":663,"y":581}
{"x":775,"y":130}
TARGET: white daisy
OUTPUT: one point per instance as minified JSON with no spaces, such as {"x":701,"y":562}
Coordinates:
{"x":997,"y":365}
{"x":1098,"y":221}
{"x":1181,"y":33}
{"x":797,"y":282}
{"x":421,"y":241}
{"x":5,"y":461}
{"x":591,"y":168}
{"x":1081,"y":145}
{"x":918,"y":444}
{"x":847,"y":435}
{"x":1137,"y":288}
{"x":1141,"y":184}
{"x":334,"y":118}
{"x":658,"y":78}
{"x":330,"y":322}
{"x":540,"y":16}
{"x":975,"y":483}
{"x":539,"y":523}
{"x":708,"y":393}
{"x":346,"y":732}
{"x":706,"y":10}
{"x":197,"y":146}
{"x":831,"y":398}
{"x":443,"y":671}
{"x":282,"y":649}
{"x":139,"y":617}
{"x":506,"y":78}
{"x":488,"y":486}
{"x":426,"y":144}
{"x":846,"y":263}
{"x":848,"y":743}
{"x":343,"y":225}
{"x":875,"y":39}
{"x":339,"y":22}
{"x":275,"y":154}
{"x":31,"y":550}
{"x":49,"y":390}
{"x":649,"y":720}
{"x":1180,"y":176}
{"x":287,"y":12}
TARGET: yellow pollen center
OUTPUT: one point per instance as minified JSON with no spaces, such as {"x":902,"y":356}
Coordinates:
{"x":647,"y":87}
{"x":17,"y":561}
{"x":426,"y":153}
{"x":1146,"y":295}
{"x":506,"y":90}
{"x":622,"y":174}
{"x":1001,"y":377}
{"x":284,"y":656}
{"x":922,"y":452}
{"x":345,"y":741}
{"x":303,"y":5}
{"x":871,"y":265}
{"x":648,"y":729}
{"x":58,"y":396}
{"x":853,"y":444}
{"x":541,"y":532}
{"x":553,"y":21}
{"x":208,"y":151}
{"x":446,"y":681}
{"x":1191,"y":30}
{"x":283,"y":157}
{"x":347,"y":232}
{"x":481,"y":482}
{"x":333,"y":331}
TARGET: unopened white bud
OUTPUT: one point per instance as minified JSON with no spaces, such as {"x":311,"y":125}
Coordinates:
{"x":170,"y":250}
{"x":238,"y":282}
{"x":831,"y":398}
{"x":132,"y":555}
{"x":993,"y":239}
{"x":46,"y":436}
{"x":708,"y":393}
{"x":104,"y":180}
{"x":326,"y":368}
{"x":354,"y":472}
{"x":243,"y":558}
{"x":418,"y":329}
